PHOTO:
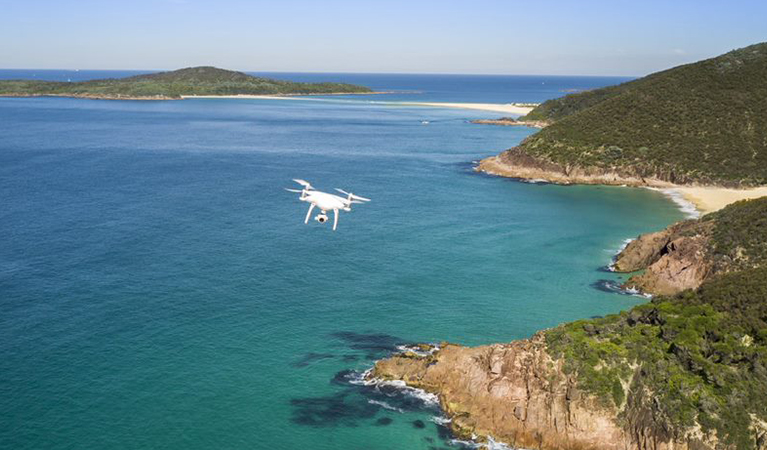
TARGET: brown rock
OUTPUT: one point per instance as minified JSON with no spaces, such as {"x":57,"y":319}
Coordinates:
{"x":517,"y":394}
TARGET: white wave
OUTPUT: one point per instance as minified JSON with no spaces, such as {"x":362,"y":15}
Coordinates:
{"x":492,"y":444}
{"x":637,"y":292}
{"x":427,"y":398}
{"x":385,"y":405}
{"x":534,"y":180}
{"x":462,"y":443}
{"x":440,"y":420}
{"x":414,"y":349}
{"x":687,"y":207}
{"x":361,"y":378}
{"x":624,"y":244}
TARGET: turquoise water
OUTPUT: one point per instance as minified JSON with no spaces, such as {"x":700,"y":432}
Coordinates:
{"x":158,"y":288}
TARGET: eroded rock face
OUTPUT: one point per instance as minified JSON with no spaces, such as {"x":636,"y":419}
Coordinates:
{"x":516,"y":163}
{"x":675,"y":258}
{"x":518,"y":394}
{"x":514,"y":392}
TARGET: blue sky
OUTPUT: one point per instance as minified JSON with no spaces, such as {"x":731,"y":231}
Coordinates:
{"x":586,"y":37}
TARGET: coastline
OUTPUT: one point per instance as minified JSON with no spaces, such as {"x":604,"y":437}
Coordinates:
{"x":705,"y":199}
{"x":509,"y":108}
{"x":283,"y":96}
{"x":183,"y":97}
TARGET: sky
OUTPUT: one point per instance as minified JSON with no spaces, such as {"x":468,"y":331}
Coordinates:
{"x":534,"y":37}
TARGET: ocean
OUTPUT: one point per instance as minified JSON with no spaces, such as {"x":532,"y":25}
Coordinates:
{"x":159,"y":289}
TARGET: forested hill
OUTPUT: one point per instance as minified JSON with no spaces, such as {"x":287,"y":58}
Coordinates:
{"x":703,"y":122}
{"x":189,"y":81}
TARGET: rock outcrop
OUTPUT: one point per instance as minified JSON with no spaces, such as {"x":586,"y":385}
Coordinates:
{"x":675,"y":259}
{"x":516,"y":163}
{"x":511,"y":122}
{"x":518,"y":394}
{"x":514,"y":392}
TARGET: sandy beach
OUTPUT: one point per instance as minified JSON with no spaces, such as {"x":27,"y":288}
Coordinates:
{"x":707,"y":199}
{"x":508,"y":108}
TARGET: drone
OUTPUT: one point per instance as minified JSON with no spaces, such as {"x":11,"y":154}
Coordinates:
{"x":325,"y":201}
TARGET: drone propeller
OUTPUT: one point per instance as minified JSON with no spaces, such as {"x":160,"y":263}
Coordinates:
{"x":303,"y":183}
{"x":352,"y":196}
{"x":297,"y":191}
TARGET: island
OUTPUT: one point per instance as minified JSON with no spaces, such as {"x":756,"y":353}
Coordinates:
{"x":686,"y":370}
{"x":174,"y":85}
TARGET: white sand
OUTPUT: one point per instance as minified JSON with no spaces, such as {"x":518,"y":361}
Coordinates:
{"x":508,"y":108}
{"x":708,"y":199}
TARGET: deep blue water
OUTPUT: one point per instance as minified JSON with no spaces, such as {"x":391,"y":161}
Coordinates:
{"x":158,"y":288}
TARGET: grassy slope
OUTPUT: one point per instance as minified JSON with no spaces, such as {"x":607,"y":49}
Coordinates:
{"x":703,"y":122}
{"x":189,"y":81}
{"x":702,"y":354}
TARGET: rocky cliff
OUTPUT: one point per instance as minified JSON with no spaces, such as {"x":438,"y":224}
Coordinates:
{"x":517,"y":163}
{"x":518,"y":394}
{"x":686,"y":254}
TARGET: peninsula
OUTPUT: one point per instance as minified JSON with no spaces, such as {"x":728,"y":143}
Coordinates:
{"x":174,"y":85}
{"x":700,"y":124}
{"x":687,"y":370}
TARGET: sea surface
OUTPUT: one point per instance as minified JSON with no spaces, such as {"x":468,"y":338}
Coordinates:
{"x":159,"y":289}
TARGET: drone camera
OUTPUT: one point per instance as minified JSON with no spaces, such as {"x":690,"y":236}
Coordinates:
{"x":321,"y":218}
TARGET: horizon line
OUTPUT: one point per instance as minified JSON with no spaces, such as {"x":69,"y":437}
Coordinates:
{"x":340,"y":73}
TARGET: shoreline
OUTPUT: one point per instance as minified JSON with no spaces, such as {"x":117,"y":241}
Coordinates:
{"x":183,"y":97}
{"x":509,"y":108}
{"x":283,"y":96}
{"x":703,"y":198}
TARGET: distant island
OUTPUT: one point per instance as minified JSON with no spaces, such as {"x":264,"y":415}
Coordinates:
{"x":173,"y":85}
{"x":701,"y":123}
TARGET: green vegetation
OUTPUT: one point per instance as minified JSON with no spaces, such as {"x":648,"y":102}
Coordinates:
{"x":739,"y":239}
{"x":702,"y":122}
{"x":189,"y":81}
{"x":702,"y":355}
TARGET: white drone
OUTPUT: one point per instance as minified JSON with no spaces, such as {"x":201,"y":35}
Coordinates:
{"x":326,"y":202}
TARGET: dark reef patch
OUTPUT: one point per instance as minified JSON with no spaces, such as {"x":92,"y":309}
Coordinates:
{"x":419,"y":424}
{"x":332,"y":410}
{"x":343,"y":377}
{"x":383,"y":421}
{"x":312,"y":357}
{"x":374,"y":344}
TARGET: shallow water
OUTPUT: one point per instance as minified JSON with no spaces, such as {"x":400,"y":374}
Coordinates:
{"x":159,"y":288}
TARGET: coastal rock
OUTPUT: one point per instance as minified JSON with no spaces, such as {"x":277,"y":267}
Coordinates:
{"x":516,"y":163}
{"x":511,"y":122}
{"x":518,"y":394}
{"x":514,"y":392}
{"x":682,"y":266}
{"x":675,"y":258}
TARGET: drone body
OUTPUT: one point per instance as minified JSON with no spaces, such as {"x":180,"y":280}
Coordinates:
{"x":326,"y":202}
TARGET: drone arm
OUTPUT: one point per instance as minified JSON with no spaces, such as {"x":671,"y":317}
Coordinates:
{"x":335,"y":219}
{"x":309,"y":213}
